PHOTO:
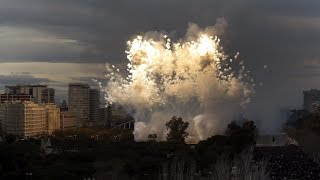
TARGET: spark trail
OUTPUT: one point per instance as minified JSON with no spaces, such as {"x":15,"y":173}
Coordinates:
{"x":192,"y":78}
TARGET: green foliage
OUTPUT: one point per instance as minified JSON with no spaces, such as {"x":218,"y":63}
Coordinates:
{"x":177,"y":130}
{"x":10,"y":138}
{"x":152,"y":137}
{"x":232,"y":128}
{"x":242,"y":137}
{"x":17,"y":159}
{"x":238,"y":137}
{"x":310,"y":123}
{"x":207,"y":151}
{"x":124,"y":156}
{"x":235,"y":127}
{"x":103,"y":134}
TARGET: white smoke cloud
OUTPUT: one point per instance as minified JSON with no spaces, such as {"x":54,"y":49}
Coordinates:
{"x":192,"y":78}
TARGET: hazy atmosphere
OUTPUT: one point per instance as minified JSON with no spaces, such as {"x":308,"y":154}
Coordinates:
{"x":72,"y":41}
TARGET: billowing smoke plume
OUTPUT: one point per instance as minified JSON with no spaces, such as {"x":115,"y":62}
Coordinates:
{"x":192,"y":78}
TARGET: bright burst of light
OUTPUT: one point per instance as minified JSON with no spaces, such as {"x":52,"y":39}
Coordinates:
{"x":206,"y":45}
{"x":178,"y":78}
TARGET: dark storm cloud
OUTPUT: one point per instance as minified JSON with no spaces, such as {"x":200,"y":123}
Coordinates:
{"x":21,"y":78}
{"x":101,"y":28}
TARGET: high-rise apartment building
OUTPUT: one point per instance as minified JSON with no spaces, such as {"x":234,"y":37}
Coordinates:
{"x":94,"y":103}
{"x":52,"y":118}
{"x":79,"y":102}
{"x":40,"y":94}
{"x":48,"y":95}
{"x":84,"y":102}
{"x":118,"y":114}
{"x":63,"y":106}
{"x":13,"y":89}
{"x":35,"y":91}
{"x":105,"y":114}
{"x":311,"y":99}
{"x":24,"y":119}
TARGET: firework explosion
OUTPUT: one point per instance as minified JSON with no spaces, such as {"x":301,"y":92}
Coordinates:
{"x":192,"y":78}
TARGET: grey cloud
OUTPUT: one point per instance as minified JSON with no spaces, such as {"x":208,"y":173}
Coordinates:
{"x":24,"y":78}
{"x":103,"y":27}
{"x":88,"y":80}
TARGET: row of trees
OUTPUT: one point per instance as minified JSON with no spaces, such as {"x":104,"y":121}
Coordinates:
{"x":178,"y":130}
{"x":134,"y":159}
{"x":304,"y":127}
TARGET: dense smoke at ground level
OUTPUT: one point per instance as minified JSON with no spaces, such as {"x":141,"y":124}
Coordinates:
{"x":192,"y":78}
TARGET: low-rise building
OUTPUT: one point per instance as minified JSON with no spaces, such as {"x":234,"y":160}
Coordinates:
{"x":68,"y":120}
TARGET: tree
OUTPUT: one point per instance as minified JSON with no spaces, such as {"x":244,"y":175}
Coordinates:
{"x":232,"y":128}
{"x":241,"y":136}
{"x":177,"y":130}
{"x":152,"y":137}
{"x":235,"y":127}
{"x":10,"y":138}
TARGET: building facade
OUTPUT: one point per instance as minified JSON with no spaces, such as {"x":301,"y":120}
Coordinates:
{"x":94,"y":103}
{"x":12,"y":89}
{"x":52,"y":118}
{"x":79,"y":102}
{"x":63,"y":106}
{"x":105,"y":116}
{"x":118,"y":115}
{"x":48,"y":96}
{"x":67,"y":120}
{"x":40,"y":94}
{"x":35,"y":91}
{"x":311,"y":100}
{"x":11,"y":97}
{"x":23,"y":119}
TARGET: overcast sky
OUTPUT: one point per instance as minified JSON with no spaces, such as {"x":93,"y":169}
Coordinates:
{"x":60,"y":41}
